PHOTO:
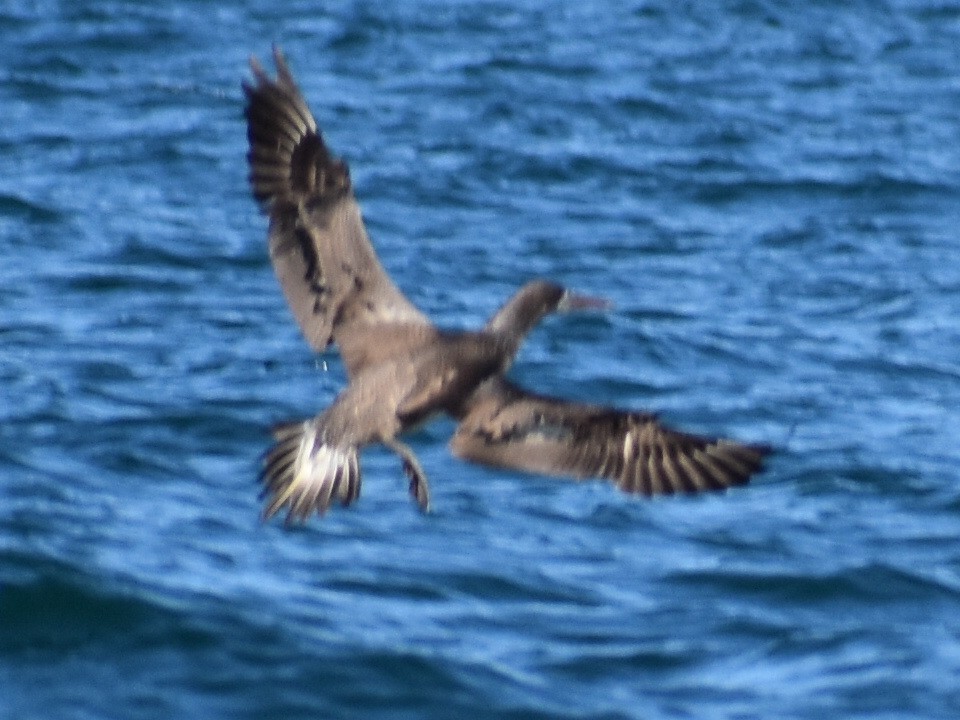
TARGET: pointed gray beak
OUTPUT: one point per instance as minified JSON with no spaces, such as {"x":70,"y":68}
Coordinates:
{"x":571,"y":302}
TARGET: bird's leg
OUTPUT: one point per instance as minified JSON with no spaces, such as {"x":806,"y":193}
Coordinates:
{"x":419,"y":489}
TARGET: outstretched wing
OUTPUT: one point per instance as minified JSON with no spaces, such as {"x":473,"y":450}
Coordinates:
{"x":330,"y":274}
{"x":506,"y":426}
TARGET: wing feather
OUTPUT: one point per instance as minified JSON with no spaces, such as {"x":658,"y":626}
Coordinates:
{"x":507,"y":426}
{"x":331,"y":276}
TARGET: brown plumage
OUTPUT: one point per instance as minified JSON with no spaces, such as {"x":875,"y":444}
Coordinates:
{"x":402,"y":369}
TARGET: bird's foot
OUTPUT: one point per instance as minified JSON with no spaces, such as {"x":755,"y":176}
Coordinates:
{"x":419,"y":487}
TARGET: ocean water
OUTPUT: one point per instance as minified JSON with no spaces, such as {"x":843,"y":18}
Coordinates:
{"x":769,"y":193}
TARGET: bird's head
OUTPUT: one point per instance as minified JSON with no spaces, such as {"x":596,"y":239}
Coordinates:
{"x":538,"y":298}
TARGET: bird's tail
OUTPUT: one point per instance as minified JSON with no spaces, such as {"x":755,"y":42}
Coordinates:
{"x":304,"y":473}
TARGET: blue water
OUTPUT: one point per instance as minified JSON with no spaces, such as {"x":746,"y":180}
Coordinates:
{"x":769,"y":193}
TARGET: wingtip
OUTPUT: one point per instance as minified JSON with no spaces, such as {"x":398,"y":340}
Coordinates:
{"x":278,"y":57}
{"x":279,"y":60}
{"x":260,"y":77}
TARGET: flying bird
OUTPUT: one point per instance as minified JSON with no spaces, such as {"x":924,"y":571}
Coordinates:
{"x":403,"y":370}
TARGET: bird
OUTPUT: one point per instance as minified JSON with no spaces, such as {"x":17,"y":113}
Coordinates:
{"x":403,"y":370}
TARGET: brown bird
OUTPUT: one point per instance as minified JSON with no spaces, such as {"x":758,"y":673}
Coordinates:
{"x":402,"y":369}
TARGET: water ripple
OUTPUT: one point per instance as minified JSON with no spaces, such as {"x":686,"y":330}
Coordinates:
{"x":766,"y":192}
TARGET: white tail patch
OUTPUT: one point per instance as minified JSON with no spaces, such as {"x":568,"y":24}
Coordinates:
{"x":304,"y":474}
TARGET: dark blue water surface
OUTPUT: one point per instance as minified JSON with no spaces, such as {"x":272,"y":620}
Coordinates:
{"x":770,"y":194}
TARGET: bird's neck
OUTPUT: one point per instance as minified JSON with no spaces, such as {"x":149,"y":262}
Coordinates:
{"x":513,"y":322}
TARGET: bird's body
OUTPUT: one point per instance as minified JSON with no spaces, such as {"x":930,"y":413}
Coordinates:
{"x":403,"y":370}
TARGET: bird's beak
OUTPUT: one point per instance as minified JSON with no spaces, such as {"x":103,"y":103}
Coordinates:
{"x":571,"y":302}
